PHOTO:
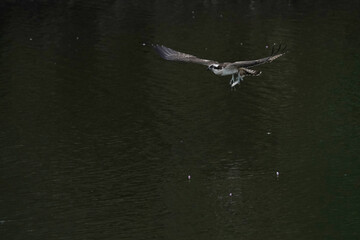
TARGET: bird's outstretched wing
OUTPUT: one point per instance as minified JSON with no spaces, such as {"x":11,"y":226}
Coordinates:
{"x":172,"y":55}
{"x":274,"y":55}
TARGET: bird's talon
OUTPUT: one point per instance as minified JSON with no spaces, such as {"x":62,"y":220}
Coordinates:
{"x":235,"y":83}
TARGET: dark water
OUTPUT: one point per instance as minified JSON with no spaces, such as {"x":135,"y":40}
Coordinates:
{"x":98,"y":134}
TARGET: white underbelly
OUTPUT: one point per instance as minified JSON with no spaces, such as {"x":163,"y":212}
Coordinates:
{"x":226,"y":72}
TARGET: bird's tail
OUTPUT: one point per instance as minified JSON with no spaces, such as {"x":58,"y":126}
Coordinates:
{"x":251,"y":72}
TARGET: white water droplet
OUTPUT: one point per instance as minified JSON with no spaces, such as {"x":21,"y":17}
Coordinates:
{"x":230,"y":194}
{"x":189,"y":177}
{"x":277,"y":174}
{"x":30,"y":39}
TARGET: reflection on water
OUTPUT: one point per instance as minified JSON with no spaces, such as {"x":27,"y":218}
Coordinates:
{"x":98,"y":134}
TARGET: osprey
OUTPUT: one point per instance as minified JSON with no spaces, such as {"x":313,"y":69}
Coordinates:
{"x":241,"y":68}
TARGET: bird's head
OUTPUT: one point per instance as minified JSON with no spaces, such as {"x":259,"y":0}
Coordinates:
{"x":215,"y":68}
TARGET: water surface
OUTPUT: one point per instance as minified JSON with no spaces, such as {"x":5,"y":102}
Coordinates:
{"x":98,"y":134}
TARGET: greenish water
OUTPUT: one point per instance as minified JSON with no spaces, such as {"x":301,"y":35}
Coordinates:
{"x":98,"y":134}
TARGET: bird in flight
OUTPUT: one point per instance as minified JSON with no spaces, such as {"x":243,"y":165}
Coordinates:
{"x":241,"y":68}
